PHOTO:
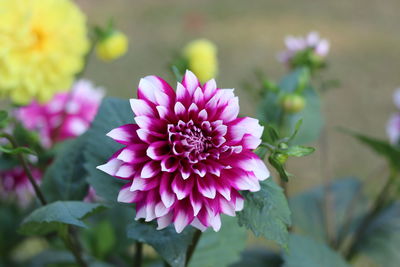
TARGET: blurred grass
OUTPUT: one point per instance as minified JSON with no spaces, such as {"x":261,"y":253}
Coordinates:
{"x":365,"y":57}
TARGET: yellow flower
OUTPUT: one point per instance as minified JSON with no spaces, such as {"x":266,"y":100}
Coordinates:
{"x":112,"y":47}
{"x":42,"y":47}
{"x":202,"y":58}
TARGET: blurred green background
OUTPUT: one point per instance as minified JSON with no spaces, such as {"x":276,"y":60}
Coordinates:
{"x":365,"y":57}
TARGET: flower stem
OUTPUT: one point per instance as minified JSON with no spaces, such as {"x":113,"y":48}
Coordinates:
{"x":137,"y":262}
{"x":192,"y":246}
{"x":377,"y":206}
{"x":24,"y":163}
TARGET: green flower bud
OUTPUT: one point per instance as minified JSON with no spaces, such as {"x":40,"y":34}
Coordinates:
{"x":293,"y":103}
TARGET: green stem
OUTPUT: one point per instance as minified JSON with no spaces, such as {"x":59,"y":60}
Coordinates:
{"x":192,"y":246}
{"x":138,"y":255}
{"x":377,"y":206}
{"x":24,"y":163}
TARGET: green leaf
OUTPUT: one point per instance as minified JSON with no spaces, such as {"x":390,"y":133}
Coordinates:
{"x":220,"y":248}
{"x":298,"y":151}
{"x":382,"y":238}
{"x":266,"y":212}
{"x":171,"y":246}
{"x":306,"y":252}
{"x":308,"y":208}
{"x":112,"y":113}
{"x":65,"y":179}
{"x":259,"y":257}
{"x":3,"y":115}
{"x":53,"y":216}
{"x":381,"y":147}
{"x":101,"y":239}
{"x":18,"y":150}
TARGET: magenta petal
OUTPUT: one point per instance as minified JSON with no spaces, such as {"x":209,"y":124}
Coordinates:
{"x":125,"y":134}
{"x":182,"y":188}
{"x":141,"y":108}
{"x":125,"y":171}
{"x":143,"y":184}
{"x":190,"y":82}
{"x":150,"y":169}
{"x":166,"y":194}
{"x":158,"y":150}
{"x":127,"y":196}
{"x":197,"y":224}
{"x":209,"y":88}
{"x":164,"y":221}
{"x":152,"y":87}
{"x":206,"y":187}
{"x":227,"y":207}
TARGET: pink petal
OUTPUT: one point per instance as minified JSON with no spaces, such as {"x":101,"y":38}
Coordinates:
{"x":206,"y":187}
{"x":190,"y":82}
{"x":124,"y":134}
{"x":150,"y":169}
{"x":166,"y":194}
{"x":164,"y":221}
{"x":158,"y":150}
{"x":182,"y":188}
{"x":127,"y":196}
{"x":141,"y":108}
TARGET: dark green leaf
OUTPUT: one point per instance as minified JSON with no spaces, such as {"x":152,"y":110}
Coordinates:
{"x":51,"y":217}
{"x":3,"y":115}
{"x":266,"y":212}
{"x":259,"y":257}
{"x":112,"y":113}
{"x":171,"y":246}
{"x":382,"y":147}
{"x":101,"y":239}
{"x":65,"y":179}
{"x":306,"y":252}
{"x":382,"y":238}
{"x":220,"y":248}
{"x":345,"y":196}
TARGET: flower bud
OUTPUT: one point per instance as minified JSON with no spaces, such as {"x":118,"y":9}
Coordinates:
{"x":281,"y":158}
{"x":293,"y":103}
{"x":202,"y":59}
{"x":112,"y":46}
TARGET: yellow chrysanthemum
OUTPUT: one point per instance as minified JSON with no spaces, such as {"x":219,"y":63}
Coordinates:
{"x":202,"y":58}
{"x":42,"y":47}
{"x":112,"y":47}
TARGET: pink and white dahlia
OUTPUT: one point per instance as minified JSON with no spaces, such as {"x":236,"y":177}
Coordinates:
{"x":15,"y":184}
{"x":393,"y":125}
{"x":295,"y":45}
{"x":67,"y":115}
{"x":188,"y":155}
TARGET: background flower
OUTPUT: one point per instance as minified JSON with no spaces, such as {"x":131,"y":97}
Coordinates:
{"x":202,"y":59}
{"x":67,"y":115}
{"x":393,"y":125}
{"x":15,"y":183}
{"x":304,"y":50}
{"x":188,"y":156}
{"x":112,"y":46}
{"x":42,"y":47}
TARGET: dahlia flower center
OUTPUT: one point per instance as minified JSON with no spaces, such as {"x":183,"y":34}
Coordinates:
{"x":190,"y":140}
